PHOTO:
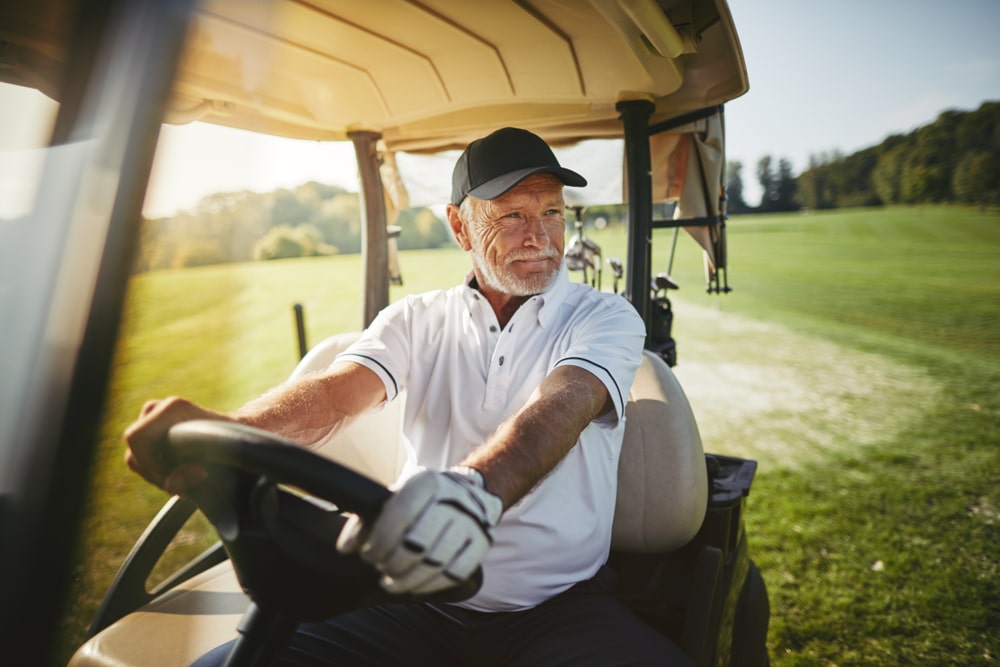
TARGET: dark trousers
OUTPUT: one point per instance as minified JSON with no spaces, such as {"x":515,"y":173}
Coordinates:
{"x":585,"y":626}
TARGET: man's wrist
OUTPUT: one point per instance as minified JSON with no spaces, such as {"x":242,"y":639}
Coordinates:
{"x":470,"y":474}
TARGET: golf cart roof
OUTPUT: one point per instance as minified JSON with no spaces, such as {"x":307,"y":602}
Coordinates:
{"x":427,"y":75}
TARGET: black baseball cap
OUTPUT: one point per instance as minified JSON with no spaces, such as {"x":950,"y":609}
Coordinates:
{"x":494,"y":164}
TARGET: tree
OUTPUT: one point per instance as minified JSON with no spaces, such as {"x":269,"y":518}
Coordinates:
{"x":786,"y":188}
{"x":234,"y":220}
{"x":979,"y":129}
{"x":887,"y":177}
{"x":290,"y":208}
{"x":200,"y":252}
{"x":778,"y":188}
{"x":812,"y":184}
{"x":420,"y":228}
{"x":768,"y":183}
{"x":976,"y":179}
{"x":932,"y":160}
{"x":339,"y":219}
{"x":285,"y":241}
{"x":916,"y":185}
{"x":852,"y":179}
{"x":613,"y":214}
{"x":919,"y":167}
{"x":734,"y":188}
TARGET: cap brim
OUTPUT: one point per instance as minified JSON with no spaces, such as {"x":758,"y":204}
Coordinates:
{"x":494,"y":188}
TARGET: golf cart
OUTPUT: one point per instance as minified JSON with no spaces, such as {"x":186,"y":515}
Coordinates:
{"x":391,"y":76}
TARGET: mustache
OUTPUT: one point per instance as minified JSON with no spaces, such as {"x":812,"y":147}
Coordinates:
{"x":532,"y":255}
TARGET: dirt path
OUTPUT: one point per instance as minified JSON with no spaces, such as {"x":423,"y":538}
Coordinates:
{"x":765,"y":392}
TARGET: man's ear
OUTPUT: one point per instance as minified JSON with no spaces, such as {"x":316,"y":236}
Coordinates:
{"x":458,"y":227}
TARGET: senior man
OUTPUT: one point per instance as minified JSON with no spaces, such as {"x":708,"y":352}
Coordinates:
{"x":516,"y":382}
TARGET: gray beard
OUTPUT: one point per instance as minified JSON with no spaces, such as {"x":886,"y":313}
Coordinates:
{"x":508,"y":283}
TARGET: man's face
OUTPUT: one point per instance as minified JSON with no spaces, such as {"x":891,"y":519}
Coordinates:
{"x":517,"y":239}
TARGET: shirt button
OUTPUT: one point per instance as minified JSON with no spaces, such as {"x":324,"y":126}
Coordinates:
{"x":493,"y":328}
{"x":501,"y":361}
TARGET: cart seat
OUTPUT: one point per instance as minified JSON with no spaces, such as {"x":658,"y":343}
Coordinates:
{"x":175,"y":628}
{"x":662,"y":478}
{"x":662,"y":498}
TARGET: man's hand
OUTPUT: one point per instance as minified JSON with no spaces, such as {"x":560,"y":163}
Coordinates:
{"x":145,"y":439}
{"x":432,"y":533}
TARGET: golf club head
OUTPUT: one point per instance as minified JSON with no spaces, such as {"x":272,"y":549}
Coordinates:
{"x":664,"y":281}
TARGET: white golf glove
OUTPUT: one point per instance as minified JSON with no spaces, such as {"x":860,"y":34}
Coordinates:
{"x":431,"y":534}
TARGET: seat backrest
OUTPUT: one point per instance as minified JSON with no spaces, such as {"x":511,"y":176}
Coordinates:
{"x":662,"y":480}
{"x":371,"y":444}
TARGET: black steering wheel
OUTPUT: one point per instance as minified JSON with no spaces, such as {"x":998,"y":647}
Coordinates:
{"x":282,"y":542}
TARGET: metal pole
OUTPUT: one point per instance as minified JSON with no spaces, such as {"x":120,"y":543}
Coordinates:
{"x":374,"y":237}
{"x":635,"y":120}
{"x":673,"y":249}
{"x":300,"y":329}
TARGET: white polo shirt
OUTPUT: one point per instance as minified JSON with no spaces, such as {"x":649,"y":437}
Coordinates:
{"x":463,"y":376}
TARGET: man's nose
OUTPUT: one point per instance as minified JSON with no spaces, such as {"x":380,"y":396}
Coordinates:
{"x":535,"y":232}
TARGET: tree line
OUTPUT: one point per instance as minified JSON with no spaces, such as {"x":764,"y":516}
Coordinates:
{"x":955,"y":159}
{"x":310,"y":220}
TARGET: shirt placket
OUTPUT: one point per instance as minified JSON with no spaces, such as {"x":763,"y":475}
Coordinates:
{"x":484,"y":319}
{"x":505,"y":351}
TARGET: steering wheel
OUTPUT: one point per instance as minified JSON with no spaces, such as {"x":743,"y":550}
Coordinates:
{"x":282,"y":542}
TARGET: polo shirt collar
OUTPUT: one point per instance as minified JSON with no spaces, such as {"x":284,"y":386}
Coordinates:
{"x":546,"y":304}
{"x":553,"y":297}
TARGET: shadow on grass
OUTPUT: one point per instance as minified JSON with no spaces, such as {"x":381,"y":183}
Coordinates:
{"x":887,"y":555}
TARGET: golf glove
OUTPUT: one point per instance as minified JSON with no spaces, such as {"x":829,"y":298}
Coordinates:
{"x":431,"y":534}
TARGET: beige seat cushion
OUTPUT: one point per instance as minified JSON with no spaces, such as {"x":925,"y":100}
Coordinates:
{"x":662,"y":479}
{"x":174,"y":629}
{"x":371,"y":444}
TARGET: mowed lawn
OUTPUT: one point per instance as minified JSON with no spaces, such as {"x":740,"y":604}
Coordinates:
{"x":857,"y":359}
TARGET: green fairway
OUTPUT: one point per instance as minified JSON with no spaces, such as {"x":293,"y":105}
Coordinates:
{"x":857,"y":359}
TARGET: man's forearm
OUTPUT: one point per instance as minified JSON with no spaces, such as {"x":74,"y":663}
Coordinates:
{"x":307,"y":410}
{"x":526,"y":447}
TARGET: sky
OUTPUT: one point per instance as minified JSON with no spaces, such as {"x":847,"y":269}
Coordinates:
{"x":842,"y":76}
{"x":824,"y":77}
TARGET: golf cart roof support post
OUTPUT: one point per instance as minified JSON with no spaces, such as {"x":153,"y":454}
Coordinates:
{"x":374,"y":235}
{"x":635,"y":116}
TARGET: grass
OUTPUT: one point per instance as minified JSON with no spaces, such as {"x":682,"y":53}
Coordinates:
{"x":874,"y":517}
{"x":858,"y":360}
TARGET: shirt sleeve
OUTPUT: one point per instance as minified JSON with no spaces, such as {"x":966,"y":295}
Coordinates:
{"x":608,"y":343}
{"x":384,"y":347}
